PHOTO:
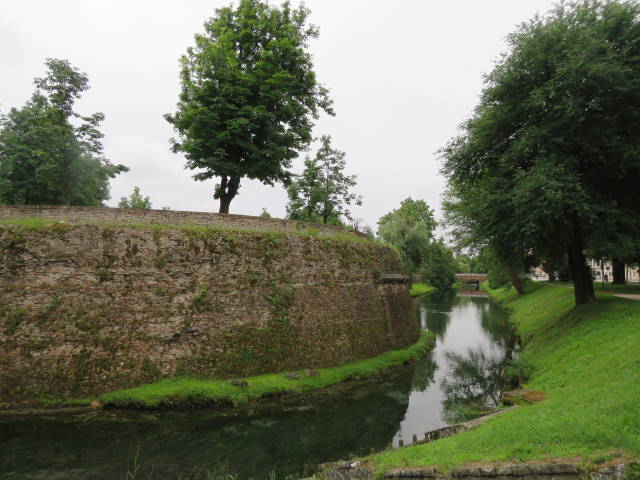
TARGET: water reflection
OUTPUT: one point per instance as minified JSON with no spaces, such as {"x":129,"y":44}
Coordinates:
{"x":435,"y":312}
{"x":475,"y":383}
{"x":424,"y":374}
{"x":281,"y":437}
{"x":466,"y":369}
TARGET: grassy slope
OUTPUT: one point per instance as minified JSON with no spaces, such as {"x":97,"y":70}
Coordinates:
{"x":420,"y":289}
{"x":588,"y":362}
{"x":187,"y":390}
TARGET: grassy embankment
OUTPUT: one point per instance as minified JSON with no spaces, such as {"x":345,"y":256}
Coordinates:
{"x":193,"y":391}
{"x":418,"y":289}
{"x":587,"y":360}
{"x":609,"y":287}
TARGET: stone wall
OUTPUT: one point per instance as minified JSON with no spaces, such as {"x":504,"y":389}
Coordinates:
{"x":134,"y":216}
{"x":86,"y":309}
{"x":615,"y":469}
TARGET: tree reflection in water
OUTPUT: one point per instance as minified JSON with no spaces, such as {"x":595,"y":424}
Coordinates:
{"x":498,"y":329}
{"x":475,"y":383}
{"x":435,"y":312}
{"x":424,"y":374}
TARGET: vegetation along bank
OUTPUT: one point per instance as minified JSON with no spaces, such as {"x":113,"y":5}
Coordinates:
{"x":586,"y":361}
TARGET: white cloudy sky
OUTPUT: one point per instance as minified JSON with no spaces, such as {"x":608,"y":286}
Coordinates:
{"x":403,"y":74}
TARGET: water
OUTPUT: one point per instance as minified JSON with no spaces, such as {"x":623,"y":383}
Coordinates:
{"x":460,"y":377}
{"x":465,"y":372}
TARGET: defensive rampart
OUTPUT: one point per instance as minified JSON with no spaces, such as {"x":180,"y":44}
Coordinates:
{"x":136,"y":216}
{"x":89,"y":308}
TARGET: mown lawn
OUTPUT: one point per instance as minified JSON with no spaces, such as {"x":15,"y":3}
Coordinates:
{"x":185,"y":391}
{"x":610,"y":287}
{"x":587,"y":360}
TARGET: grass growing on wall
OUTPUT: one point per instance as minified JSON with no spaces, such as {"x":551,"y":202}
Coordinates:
{"x":587,"y":360}
{"x":418,"y":289}
{"x":34,"y":223}
{"x":27,"y":223}
{"x":185,"y":391}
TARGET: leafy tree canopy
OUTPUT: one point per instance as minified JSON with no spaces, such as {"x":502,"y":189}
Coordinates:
{"x":550,"y":158}
{"x":50,"y":155}
{"x":410,"y":229}
{"x":135,"y":200}
{"x":264,"y":213}
{"x":249,"y":96}
{"x":438,"y":268}
{"x":322,"y":191}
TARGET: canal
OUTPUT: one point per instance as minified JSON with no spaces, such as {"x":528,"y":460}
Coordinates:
{"x":460,"y":378}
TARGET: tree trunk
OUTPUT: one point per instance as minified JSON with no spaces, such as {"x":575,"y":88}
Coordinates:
{"x":519,"y":286}
{"x":618,"y":272}
{"x":580,"y":274}
{"x":66,"y":186}
{"x":225,"y":201}
{"x":516,"y":280}
{"x":227,"y":191}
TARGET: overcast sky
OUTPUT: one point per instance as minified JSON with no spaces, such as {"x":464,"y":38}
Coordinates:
{"x":403,"y":76}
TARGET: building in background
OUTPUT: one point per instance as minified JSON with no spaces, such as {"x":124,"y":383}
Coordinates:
{"x":602,"y":272}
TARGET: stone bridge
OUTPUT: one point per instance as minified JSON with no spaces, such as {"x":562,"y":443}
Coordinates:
{"x":467,"y":277}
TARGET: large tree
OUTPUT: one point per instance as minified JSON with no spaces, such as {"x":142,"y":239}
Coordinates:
{"x":50,"y":155}
{"x":550,"y":158}
{"x":410,"y":229}
{"x":249,"y":96}
{"x":322,"y":192}
{"x":438,"y":268}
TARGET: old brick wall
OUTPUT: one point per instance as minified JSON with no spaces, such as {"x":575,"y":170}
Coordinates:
{"x":86,"y":309}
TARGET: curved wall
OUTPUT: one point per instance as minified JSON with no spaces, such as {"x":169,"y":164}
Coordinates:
{"x":86,"y":309}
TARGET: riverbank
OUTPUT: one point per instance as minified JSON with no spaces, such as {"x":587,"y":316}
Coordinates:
{"x":418,"y":289}
{"x":192,"y":392}
{"x":587,"y":362}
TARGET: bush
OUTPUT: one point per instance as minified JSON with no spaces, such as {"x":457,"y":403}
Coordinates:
{"x":439,"y":267}
{"x":497,"y":277}
{"x":517,"y":372}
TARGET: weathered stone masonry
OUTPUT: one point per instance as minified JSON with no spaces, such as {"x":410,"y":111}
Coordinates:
{"x":86,"y":309}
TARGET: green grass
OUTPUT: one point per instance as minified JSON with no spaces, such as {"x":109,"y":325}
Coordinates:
{"x":33,"y":223}
{"x":420,"y":289}
{"x":27,"y":223}
{"x":609,"y":287}
{"x":587,"y":360}
{"x":50,"y":401}
{"x":193,"y":391}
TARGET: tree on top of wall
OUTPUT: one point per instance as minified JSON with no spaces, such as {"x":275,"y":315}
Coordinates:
{"x":322,"y":192}
{"x":249,"y":96}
